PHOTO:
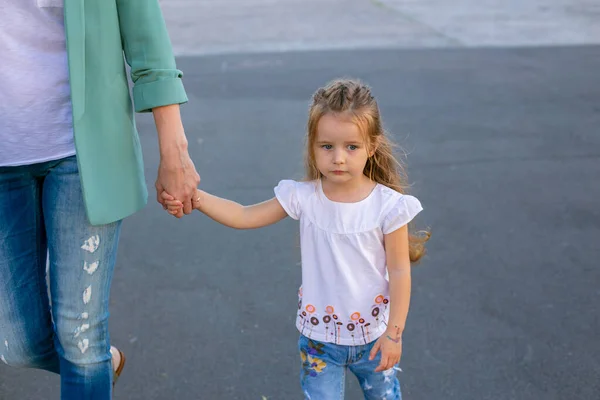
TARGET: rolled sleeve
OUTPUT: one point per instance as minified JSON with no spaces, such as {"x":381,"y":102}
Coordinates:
{"x":149,"y":95}
{"x":148,"y":51}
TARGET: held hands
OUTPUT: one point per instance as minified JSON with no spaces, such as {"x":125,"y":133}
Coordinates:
{"x":177,"y":176}
{"x":175,"y":207}
{"x":390,"y":344}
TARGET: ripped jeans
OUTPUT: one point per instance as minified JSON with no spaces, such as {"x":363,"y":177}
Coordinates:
{"x":63,"y":328}
{"x":324,"y":367}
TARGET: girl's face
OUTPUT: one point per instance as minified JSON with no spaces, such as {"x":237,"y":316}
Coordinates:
{"x":340,"y":149}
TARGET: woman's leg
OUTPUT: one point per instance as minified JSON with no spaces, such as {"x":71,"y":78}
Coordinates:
{"x":26,"y":332}
{"x":82,"y":259}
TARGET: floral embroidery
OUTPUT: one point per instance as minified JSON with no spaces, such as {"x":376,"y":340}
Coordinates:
{"x":357,"y":322}
{"x":332,"y":326}
{"x":380,"y":306}
{"x":358,"y":326}
{"x":308,"y":317}
{"x":315,"y":348}
{"x":312,"y":365}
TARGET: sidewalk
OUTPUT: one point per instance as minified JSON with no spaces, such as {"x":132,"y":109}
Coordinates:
{"x":232,"y":26}
{"x":508,"y":22}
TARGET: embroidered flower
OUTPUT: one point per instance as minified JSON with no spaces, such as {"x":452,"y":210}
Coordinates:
{"x":312,"y":366}
{"x":316,"y":364}
{"x":315,"y":348}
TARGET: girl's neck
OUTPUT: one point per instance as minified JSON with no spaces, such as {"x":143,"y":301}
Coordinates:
{"x":348,"y":192}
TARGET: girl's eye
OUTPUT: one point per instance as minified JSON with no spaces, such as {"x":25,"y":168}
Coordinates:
{"x":327,"y":146}
{"x":352,"y":147}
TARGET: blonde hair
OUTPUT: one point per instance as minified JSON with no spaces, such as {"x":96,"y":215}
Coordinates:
{"x":354,"y":99}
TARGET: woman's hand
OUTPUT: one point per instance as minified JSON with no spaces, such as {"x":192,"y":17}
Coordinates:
{"x":174,"y":206}
{"x":177,"y":176}
{"x":176,"y":172}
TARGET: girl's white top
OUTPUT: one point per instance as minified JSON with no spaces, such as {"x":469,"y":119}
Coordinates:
{"x":344,"y":297}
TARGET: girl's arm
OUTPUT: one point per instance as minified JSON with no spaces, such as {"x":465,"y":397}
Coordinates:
{"x":398,"y":265}
{"x":230,"y":213}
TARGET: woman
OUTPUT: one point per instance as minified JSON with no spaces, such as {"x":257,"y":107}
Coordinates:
{"x":71,"y":170}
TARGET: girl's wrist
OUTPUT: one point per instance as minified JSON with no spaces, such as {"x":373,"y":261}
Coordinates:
{"x":395,"y":327}
{"x":197,"y":199}
{"x":395,"y":331}
{"x":393,"y":334}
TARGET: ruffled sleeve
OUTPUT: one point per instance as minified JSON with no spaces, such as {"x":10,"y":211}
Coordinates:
{"x":287,"y":195}
{"x":401,"y":213}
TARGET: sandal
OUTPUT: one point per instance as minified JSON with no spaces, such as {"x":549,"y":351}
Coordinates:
{"x":120,"y":367}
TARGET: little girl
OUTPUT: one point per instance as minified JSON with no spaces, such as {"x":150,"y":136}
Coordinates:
{"x":355,"y":246}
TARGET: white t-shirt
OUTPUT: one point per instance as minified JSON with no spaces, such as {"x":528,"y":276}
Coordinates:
{"x":344,"y":296}
{"x":36,"y":122}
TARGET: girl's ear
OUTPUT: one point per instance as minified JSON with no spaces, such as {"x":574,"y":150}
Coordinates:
{"x":374,"y":146}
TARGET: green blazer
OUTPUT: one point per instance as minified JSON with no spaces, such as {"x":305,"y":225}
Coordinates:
{"x":106,"y":140}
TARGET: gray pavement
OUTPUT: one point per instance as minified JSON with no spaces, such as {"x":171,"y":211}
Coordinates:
{"x":504,"y":152}
{"x":231,"y":26}
{"x":484,"y":23}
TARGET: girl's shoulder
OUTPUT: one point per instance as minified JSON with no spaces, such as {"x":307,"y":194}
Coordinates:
{"x":390,"y":197}
{"x":293,"y":195}
{"x":299,"y":188}
{"x":396,"y":209}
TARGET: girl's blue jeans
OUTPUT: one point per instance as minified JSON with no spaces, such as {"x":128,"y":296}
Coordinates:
{"x":324,"y":367}
{"x":62,"y":328}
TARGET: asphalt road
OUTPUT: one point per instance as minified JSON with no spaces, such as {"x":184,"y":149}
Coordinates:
{"x":504,"y":152}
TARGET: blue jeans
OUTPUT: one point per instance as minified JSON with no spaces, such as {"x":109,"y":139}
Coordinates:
{"x":63,"y":328}
{"x":324,"y":368}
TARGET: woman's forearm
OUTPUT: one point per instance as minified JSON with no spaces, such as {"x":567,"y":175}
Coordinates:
{"x":171,"y":135}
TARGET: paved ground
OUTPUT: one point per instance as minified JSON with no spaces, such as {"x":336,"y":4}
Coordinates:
{"x":217,"y":27}
{"x":504,"y":151}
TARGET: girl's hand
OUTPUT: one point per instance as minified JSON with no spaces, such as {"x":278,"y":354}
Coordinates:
{"x":390,"y":344}
{"x":173,"y":205}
